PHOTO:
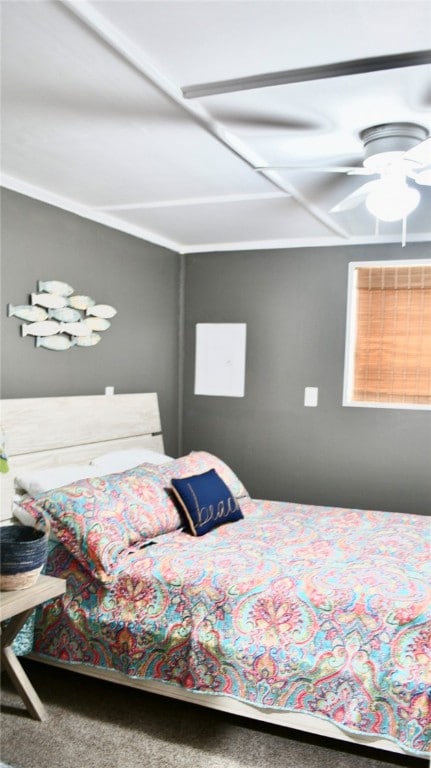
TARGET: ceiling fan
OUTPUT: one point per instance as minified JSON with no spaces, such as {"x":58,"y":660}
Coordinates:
{"x":394,"y":152}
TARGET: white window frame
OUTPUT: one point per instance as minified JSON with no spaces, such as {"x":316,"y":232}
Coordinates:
{"x":351,"y":335}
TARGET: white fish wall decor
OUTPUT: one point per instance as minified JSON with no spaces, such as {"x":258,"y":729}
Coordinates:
{"x":88,"y":341}
{"x":55,"y":286}
{"x":59,"y":319}
{"x":45,"y":328}
{"x":48,"y":300}
{"x":75,"y":329}
{"x":57,"y":343}
{"x":65,"y":315}
{"x":102,"y":310}
{"x":97,"y":323}
{"x":27,"y":312}
{"x":80,"y":302}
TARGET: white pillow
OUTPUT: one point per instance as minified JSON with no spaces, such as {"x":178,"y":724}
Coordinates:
{"x":119,"y":461}
{"x":42,"y":480}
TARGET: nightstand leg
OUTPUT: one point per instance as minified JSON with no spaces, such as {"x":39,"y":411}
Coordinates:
{"x":16,"y":673}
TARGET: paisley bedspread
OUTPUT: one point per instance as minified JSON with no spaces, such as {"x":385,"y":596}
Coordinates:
{"x":312,"y":609}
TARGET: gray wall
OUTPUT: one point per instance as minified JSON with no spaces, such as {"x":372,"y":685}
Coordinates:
{"x":139,"y":353}
{"x":294,"y":304}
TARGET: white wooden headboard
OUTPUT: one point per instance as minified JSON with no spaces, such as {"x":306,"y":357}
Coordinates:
{"x":42,"y":432}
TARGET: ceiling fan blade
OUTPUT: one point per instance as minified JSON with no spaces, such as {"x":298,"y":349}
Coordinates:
{"x":312,"y":169}
{"x":357,"y":197}
{"x":423,"y":177}
{"x":264,"y":120}
{"x":362,"y":172}
{"x":421,"y":153}
{"x":338,"y":69}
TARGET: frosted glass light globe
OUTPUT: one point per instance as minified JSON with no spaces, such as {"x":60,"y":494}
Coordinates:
{"x":392,"y":201}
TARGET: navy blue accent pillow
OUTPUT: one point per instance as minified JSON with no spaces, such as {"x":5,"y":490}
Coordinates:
{"x":207,"y":502}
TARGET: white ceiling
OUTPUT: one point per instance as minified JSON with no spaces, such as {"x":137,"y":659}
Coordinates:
{"x":94,"y":120}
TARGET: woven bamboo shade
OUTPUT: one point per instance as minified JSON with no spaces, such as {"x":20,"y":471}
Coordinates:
{"x":393,"y":334}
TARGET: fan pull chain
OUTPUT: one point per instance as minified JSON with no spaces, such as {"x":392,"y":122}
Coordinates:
{"x":404,"y":231}
{"x":376,"y":229}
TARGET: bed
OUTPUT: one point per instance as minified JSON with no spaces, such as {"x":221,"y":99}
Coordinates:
{"x":313,"y":618}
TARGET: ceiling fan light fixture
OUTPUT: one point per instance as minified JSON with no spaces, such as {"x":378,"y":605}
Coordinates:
{"x":386,"y":153}
{"x":392,"y":202}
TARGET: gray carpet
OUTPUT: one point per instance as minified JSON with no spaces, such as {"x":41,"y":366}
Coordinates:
{"x":93,"y":724}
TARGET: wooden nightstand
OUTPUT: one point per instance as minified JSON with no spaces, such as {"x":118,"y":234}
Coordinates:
{"x":17,"y":606}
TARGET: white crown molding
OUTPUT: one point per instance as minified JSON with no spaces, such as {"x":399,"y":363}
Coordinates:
{"x":86,"y":212}
{"x":305,"y":242}
{"x":101,"y":217}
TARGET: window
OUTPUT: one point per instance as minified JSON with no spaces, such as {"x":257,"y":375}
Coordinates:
{"x":388,"y":340}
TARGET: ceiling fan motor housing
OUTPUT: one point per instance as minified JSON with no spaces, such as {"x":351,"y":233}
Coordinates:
{"x":383,"y":143}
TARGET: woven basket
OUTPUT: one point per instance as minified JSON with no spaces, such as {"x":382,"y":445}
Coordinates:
{"x":23,"y":552}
